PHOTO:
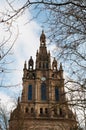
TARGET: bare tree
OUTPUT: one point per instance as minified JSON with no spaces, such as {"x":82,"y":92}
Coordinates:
{"x":4,"y":116}
{"x":65,"y":22}
{"x":7,"y":42}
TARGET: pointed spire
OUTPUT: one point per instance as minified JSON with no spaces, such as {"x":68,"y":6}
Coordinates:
{"x":60,"y":67}
{"x":54,"y":64}
{"x":37,"y":53}
{"x":18,"y":100}
{"x":30,"y":63}
{"x":42,"y":31}
{"x":61,"y":71}
{"x":42,"y":37}
{"x":25,"y":65}
{"x":55,"y":61}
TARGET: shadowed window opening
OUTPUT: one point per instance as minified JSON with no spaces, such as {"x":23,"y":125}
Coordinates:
{"x":30,"y":92}
{"x":43,"y":91}
{"x":41,"y":110}
{"x":60,"y":111}
{"x":46,"y":110}
{"x":56,"y":94}
{"x":47,"y":65}
{"x":32,"y":110}
{"x":26,"y":110}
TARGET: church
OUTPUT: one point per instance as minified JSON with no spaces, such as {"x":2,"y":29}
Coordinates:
{"x":43,"y":104}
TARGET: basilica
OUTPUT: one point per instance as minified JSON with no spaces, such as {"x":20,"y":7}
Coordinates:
{"x":43,"y":104}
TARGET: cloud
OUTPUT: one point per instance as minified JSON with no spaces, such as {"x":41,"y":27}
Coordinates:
{"x":25,"y":46}
{"x":6,"y":101}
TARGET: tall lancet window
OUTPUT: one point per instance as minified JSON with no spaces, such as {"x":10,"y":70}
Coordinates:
{"x":43,"y":91}
{"x":56,"y":94}
{"x":30,"y":92}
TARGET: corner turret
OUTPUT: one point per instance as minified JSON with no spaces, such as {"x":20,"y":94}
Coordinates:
{"x":25,"y":70}
{"x":54,"y":64}
{"x":61,"y":71}
{"x":30,"y":63}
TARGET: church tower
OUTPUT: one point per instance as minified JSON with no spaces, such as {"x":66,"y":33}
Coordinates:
{"x":43,"y":104}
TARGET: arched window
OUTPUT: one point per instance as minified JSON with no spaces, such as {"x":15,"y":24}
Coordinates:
{"x":41,"y":110}
{"x":32,"y":110}
{"x":43,"y":65}
{"x":26,"y":110}
{"x":39,"y":64}
{"x":30,"y":92}
{"x":43,"y":91}
{"x":56,"y":94}
{"x":47,"y":65}
{"x":60,"y":111}
{"x":46,"y":111}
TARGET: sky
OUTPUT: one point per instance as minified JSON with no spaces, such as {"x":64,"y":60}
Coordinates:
{"x":28,"y":41}
{"x":25,"y":46}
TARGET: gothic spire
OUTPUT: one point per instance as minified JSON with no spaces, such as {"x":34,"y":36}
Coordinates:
{"x":42,"y":38}
{"x":60,"y":67}
{"x":25,"y":65}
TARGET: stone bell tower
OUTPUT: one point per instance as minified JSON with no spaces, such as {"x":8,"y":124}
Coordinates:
{"x":43,"y":103}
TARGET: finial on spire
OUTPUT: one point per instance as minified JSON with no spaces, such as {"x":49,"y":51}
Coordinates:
{"x":42,"y":31}
{"x":43,"y":37}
